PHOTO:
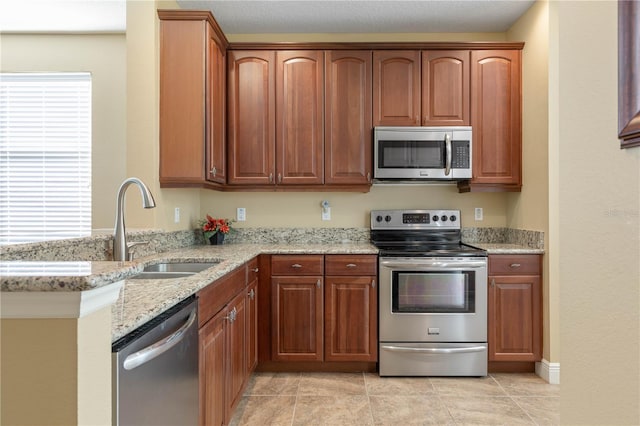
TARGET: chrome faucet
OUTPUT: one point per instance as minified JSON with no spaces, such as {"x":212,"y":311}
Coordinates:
{"x":120,"y":246}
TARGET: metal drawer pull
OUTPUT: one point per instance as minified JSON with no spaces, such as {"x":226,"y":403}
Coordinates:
{"x":493,"y":282}
{"x":515,"y":265}
{"x":251,"y":294}
{"x":318,"y":284}
{"x":296,"y":265}
{"x":270,"y":177}
{"x":351,"y":265}
{"x":161,"y":346}
{"x":436,"y":350}
{"x":373,"y":283}
{"x":255,"y":270}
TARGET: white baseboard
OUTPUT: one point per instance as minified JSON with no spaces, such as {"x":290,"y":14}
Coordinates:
{"x":549,"y":371}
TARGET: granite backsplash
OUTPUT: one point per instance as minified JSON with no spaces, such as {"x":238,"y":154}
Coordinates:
{"x":99,"y":247}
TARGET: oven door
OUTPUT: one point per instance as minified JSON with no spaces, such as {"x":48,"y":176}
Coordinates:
{"x":433,"y":299}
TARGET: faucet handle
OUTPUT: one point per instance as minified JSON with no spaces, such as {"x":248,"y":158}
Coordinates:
{"x":133,"y":244}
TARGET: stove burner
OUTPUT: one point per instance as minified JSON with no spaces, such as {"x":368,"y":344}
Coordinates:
{"x":412,"y":238}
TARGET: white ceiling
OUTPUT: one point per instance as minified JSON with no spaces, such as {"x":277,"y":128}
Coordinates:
{"x":362,"y":16}
{"x":276,"y":16}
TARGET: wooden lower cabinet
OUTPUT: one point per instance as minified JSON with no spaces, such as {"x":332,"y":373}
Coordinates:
{"x":350,"y":318}
{"x":225,"y":343}
{"x":515,"y":308}
{"x":213,"y":347}
{"x":252,"y":316}
{"x":296,"y":327}
{"x":323,"y":318}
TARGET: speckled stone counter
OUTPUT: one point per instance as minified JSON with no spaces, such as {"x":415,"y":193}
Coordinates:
{"x":142,"y":300}
{"x":504,"y":248}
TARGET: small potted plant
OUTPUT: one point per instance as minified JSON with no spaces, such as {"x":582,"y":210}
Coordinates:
{"x":214,"y":230}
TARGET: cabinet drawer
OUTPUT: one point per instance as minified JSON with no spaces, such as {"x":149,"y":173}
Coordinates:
{"x":339,"y":264}
{"x":507,"y":264}
{"x":297,"y":264}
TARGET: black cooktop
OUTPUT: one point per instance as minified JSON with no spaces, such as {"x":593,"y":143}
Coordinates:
{"x":398,"y":233}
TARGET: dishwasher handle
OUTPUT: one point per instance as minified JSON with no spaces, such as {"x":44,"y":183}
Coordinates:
{"x":161,"y":346}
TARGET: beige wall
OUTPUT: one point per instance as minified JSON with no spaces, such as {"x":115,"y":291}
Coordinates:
{"x":594,"y":214}
{"x":56,"y":371}
{"x":530,"y":208}
{"x":104,"y":56}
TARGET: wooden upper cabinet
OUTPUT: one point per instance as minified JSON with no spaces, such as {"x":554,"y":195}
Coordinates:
{"x":348,"y":117}
{"x":182,"y":101}
{"x":251,"y":117}
{"x":445,"y":88}
{"x":396,"y":88}
{"x":299,"y":129}
{"x":496,"y":119}
{"x":192,"y":99}
{"x":215,"y":100}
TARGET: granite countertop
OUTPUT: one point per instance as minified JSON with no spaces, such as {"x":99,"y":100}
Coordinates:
{"x":141,"y":300}
{"x":502,"y":248}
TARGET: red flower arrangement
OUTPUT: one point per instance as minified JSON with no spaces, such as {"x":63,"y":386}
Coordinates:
{"x":212,"y":226}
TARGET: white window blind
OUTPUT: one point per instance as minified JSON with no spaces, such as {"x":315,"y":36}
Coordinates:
{"x":45,"y":156}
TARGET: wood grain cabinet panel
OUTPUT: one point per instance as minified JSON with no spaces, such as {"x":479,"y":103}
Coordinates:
{"x":213,"y":350}
{"x":496,"y":119}
{"x":350,"y":318}
{"x":515,"y":308}
{"x":445,"y":88}
{"x":299,"y":117}
{"x":251,"y":125}
{"x":296,"y":323}
{"x":347,"y":123}
{"x":237,"y":352}
{"x":396,"y":88}
{"x":192,"y":100}
{"x":252,"y":316}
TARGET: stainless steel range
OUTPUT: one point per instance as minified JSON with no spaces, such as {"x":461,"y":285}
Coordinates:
{"x":433,"y":295}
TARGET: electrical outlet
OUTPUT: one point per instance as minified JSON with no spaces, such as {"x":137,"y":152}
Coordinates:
{"x":326,"y":213}
{"x":176,"y":215}
{"x":478,"y":213}
{"x":241,"y":214}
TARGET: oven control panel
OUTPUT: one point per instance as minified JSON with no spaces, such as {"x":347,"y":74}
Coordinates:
{"x":415,"y":219}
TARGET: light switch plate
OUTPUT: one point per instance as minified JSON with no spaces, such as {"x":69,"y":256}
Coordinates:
{"x":241,"y":214}
{"x":326,"y":213}
{"x":478,"y":213}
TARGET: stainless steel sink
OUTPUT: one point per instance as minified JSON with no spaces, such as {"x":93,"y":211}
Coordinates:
{"x":169,"y":270}
{"x":192,"y":267}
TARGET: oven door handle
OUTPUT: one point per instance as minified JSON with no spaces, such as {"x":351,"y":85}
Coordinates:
{"x":435,"y":350}
{"x":432,"y":264}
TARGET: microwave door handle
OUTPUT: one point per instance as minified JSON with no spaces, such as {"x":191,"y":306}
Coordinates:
{"x":447,"y":143}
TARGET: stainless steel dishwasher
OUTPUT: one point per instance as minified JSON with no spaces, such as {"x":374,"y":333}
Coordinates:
{"x":155,"y":370}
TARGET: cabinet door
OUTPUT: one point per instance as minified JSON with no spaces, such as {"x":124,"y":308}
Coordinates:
{"x":215,"y":96}
{"x":495,"y":116}
{"x":237,"y":351}
{"x":252,"y":324}
{"x":351,"y":318}
{"x":396,"y":88}
{"x":296,"y":322}
{"x":251,"y":110}
{"x":515,"y":328}
{"x":182,"y":102}
{"x":348,"y":117}
{"x":299,"y":129}
{"x":212,"y":342}
{"x":445,"y":88}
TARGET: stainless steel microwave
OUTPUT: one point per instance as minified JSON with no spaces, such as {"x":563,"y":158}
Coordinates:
{"x":422,"y":153}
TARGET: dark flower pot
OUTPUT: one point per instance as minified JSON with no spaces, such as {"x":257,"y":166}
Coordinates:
{"x":216,"y":239}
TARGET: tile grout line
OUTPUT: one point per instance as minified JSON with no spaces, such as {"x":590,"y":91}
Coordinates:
{"x":514,"y":401}
{"x":366,"y":391}
{"x":439,"y":396}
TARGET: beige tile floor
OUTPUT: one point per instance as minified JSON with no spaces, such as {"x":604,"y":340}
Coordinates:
{"x":367,"y":399}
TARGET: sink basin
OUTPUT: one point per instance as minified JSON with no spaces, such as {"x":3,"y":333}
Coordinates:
{"x":169,"y":270}
{"x":159,"y":275}
{"x":192,"y":267}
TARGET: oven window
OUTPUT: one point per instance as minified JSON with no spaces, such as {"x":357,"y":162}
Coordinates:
{"x":411,"y":154}
{"x":433,"y":292}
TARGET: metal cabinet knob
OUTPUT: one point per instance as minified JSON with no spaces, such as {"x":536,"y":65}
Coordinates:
{"x":255,"y":270}
{"x":251,"y":294}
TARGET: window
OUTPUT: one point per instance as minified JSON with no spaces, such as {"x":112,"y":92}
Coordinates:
{"x":45,"y":156}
